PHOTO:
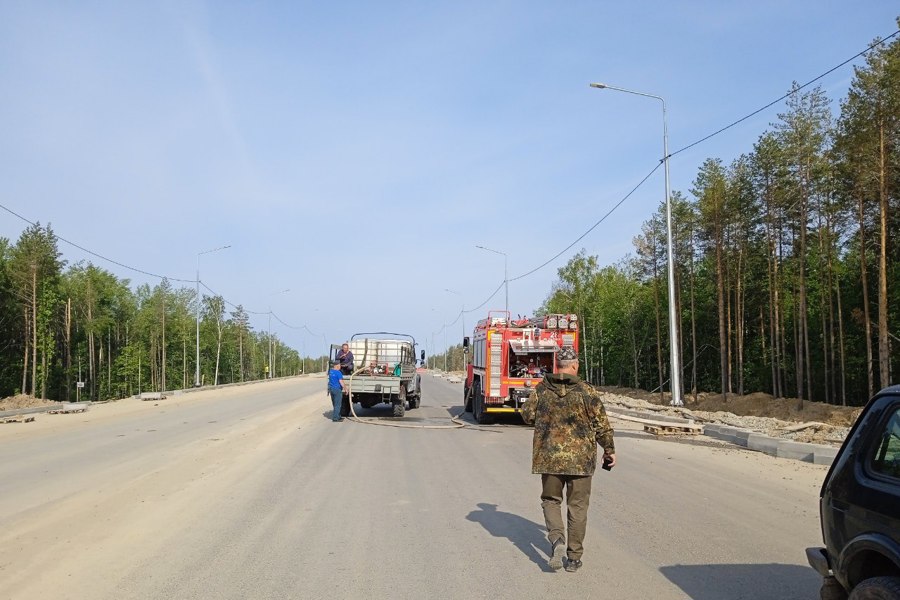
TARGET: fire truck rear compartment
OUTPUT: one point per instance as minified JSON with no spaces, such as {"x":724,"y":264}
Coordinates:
{"x":509,"y":358}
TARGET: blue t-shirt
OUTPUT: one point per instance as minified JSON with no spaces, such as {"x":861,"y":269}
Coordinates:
{"x":334,"y":379}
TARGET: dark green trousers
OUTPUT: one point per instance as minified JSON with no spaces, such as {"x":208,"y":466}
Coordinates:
{"x":578,"y":497}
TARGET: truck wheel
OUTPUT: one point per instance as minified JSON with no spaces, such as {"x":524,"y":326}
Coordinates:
{"x":345,"y":405}
{"x":877,"y":588}
{"x":400,"y":402}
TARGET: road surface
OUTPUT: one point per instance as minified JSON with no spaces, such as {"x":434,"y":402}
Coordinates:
{"x":252,"y":492}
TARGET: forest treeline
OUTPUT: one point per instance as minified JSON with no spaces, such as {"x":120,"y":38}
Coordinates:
{"x":786,"y":271}
{"x":63,"y":324}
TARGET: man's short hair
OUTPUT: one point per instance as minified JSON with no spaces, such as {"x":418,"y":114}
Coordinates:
{"x":567,"y":354}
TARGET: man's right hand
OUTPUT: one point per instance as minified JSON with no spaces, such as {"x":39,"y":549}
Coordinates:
{"x":609,"y":459}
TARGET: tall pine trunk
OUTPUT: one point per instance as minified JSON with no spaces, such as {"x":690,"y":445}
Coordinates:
{"x":739,"y":321}
{"x":723,"y":338}
{"x":884,"y":352}
{"x":34,"y":330}
{"x":693,"y":323}
{"x":865,"y":293}
{"x":26,"y":349}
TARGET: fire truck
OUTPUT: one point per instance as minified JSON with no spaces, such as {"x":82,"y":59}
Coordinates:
{"x":510,"y":357}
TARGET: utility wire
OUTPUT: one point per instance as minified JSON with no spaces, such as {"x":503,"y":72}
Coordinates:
{"x":100,"y":256}
{"x":251,"y":312}
{"x":679,"y":151}
{"x":711,"y":135}
{"x":277,"y":318}
{"x":231,"y":304}
{"x":793,"y":91}
{"x":592,"y":227}
{"x":124,"y":266}
{"x":176,"y":279}
{"x":489,"y":298}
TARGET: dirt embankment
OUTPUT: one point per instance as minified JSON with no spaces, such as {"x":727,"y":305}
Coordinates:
{"x":813,"y":422}
{"x":23,"y":401}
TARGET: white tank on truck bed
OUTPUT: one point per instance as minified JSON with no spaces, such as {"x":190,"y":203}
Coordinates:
{"x":384,"y":371}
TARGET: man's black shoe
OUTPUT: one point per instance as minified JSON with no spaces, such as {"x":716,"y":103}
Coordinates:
{"x":572,"y":565}
{"x":556,"y":558}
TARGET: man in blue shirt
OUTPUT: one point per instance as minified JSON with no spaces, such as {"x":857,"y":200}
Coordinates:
{"x":336,"y":390}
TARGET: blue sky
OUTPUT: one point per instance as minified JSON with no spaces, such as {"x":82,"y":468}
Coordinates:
{"x":356,"y":152}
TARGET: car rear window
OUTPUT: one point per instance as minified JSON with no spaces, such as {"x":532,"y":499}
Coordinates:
{"x":886,"y":460}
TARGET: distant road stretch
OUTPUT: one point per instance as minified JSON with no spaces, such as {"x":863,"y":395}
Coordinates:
{"x":252,"y":492}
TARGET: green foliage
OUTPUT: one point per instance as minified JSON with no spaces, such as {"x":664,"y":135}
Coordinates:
{"x":91,"y":327}
{"x":769,"y":261}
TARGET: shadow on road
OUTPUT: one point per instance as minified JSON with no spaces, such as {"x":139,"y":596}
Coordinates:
{"x":770,"y":581}
{"x":524,"y":534}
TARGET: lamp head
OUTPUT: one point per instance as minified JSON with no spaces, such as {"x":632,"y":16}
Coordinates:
{"x":599,"y":86}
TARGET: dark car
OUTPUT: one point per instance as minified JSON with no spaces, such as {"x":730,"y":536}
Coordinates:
{"x":860,"y":508}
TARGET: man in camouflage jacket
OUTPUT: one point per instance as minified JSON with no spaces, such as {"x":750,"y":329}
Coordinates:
{"x":569,"y":422}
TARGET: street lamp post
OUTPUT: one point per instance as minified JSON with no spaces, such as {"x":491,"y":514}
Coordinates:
{"x":269,"y":334}
{"x":197,"y":366}
{"x":674,"y":350}
{"x":505,"y":276}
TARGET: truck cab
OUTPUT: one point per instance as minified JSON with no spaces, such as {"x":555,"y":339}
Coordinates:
{"x":860,"y":508}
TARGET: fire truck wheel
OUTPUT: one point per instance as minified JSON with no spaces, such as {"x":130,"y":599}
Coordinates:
{"x":478,"y":406}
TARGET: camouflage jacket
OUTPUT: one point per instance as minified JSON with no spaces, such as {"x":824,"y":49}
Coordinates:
{"x":565,"y":435}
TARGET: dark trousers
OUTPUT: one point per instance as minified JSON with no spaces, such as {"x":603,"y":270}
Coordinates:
{"x":336,"y":396}
{"x":578,"y":497}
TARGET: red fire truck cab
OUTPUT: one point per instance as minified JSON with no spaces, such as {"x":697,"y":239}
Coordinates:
{"x":506,"y":358}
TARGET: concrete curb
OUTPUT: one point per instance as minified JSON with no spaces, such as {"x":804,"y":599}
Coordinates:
{"x":60,"y":405}
{"x":818,"y":454}
{"x":28,"y":411}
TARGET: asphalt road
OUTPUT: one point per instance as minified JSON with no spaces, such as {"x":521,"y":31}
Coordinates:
{"x":252,"y":492}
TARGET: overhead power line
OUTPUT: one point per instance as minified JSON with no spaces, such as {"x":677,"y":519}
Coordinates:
{"x":679,"y":151}
{"x":793,"y":91}
{"x":143,"y":272}
{"x":100,"y":256}
{"x":707,"y":137}
{"x":231,"y":304}
{"x":252,"y":312}
{"x":592,"y":227}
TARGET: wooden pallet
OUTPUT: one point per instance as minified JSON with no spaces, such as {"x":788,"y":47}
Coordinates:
{"x":65,"y":410}
{"x":673,"y":429}
{"x":18,"y":419}
{"x":662,"y":427}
